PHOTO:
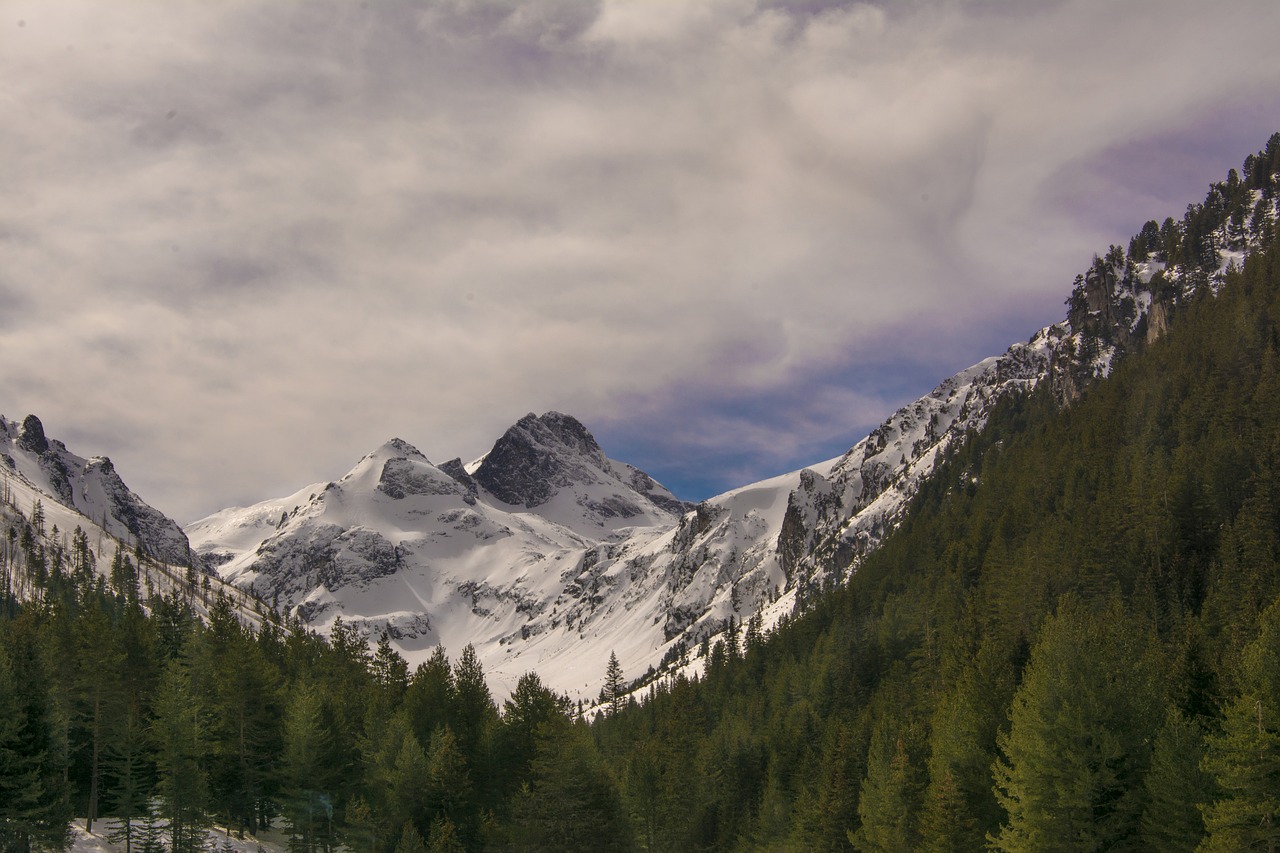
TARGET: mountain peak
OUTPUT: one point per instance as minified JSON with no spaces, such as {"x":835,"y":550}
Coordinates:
{"x":537,"y":456}
{"x":31,"y":438}
{"x":398,"y":448}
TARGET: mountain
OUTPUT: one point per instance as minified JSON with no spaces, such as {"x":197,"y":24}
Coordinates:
{"x":547,"y":555}
{"x":44,"y":469}
{"x":1073,"y":631}
{"x":53,"y":502}
{"x":839,"y":510}
{"x":511,"y":554}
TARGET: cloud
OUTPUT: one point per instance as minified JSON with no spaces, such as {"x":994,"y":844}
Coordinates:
{"x":244,"y":242}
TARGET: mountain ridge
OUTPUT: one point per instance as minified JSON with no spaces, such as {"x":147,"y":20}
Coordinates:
{"x":755,"y":552}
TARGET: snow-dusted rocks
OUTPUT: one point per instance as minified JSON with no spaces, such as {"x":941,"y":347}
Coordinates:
{"x":90,"y":488}
{"x":553,"y":465}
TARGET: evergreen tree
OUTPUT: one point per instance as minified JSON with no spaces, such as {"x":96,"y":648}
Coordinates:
{"x":179,"y":732}
{"x":34,"y":808}
{"x":1244,"y":758}
{"x":410,"y":780}
{"x":444,"y":837}
{"x":572,"y":804}
{"x":448,"y":793}
{"x":473,"y":719}
{"x":1176,"y":787}
{"x":888,"y":805}
{"x":430,"y":696}
{"x":307,"y":745}
{"x":411,"y":840}
{"x":1070,"y":774}
{"x":150,"y":838}
{"x":126,"y":767}
{"x":959,"y":804}
{"x":614,"y":694}
{"x":391,"y":673}
{"x":531,"y":706}
{"x":99,"y":704}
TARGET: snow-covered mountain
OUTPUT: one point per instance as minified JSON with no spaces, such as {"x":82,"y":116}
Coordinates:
{"x":44,"y":469}
{"x":509,"y":553}
{"x":547,"y":555}
{"x":48,"y":493}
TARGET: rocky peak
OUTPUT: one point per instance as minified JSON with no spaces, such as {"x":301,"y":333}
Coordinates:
{"x":31,"y":437}
{"x":538,"y":456}
{"x":398,"y":448}
{"x":455,"y":469}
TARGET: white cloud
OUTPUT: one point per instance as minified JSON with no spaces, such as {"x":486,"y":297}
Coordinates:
{"x":250,"y":240}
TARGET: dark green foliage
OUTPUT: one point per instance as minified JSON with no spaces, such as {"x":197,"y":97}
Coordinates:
{"x":1176,"y":785}
{"x":180,"y":736}
{"x":1070,"y":772}
{"x":572,"y":803}
{"x":34,"y":806}
{"x":1244,"y":758}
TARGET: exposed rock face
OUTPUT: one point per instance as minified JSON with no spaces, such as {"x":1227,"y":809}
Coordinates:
{"x":159,"y":535}
{"x":1157,"y":321}
{"x":455,"y":469}
{"x":31,"y":437}
{"x":537,"y":457}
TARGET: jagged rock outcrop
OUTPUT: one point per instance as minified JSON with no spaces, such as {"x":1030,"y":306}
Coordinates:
{"x":93,"y":488}
{"x":538,"y":456}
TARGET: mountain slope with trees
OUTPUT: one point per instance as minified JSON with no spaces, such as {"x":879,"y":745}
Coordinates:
{"x":1068,"y":642}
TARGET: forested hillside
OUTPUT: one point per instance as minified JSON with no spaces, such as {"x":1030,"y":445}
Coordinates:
{"x":1072,"y":642}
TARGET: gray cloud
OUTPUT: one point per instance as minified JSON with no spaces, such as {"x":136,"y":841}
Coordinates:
{"x":244,"y":242}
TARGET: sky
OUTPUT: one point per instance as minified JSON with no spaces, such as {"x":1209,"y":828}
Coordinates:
{"x":244,"y":243}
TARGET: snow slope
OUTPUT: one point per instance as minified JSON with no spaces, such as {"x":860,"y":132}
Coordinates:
{"x":545,"y":554}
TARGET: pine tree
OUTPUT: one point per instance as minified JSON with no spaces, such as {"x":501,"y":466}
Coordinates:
{"x":409,"y":780}
{"x":449,"y":792}
{"x":1070,"y":774}
{"x":410,"y":840}
{"x":572,"y":804}
{"x":125,"y":767}
{"x":473,"y":719}
{"x":150,"y":838}
{"x":1245,"y":758}
{"x":531,"y":706}
{"x":180,"y":736}
{"x":959,"y":805}
{"x":34,"y":806}
{"x":307,"y":743}
{"x":614,"y":694}
{"x":390,"y":671}
{"x":887,"y":806}
{"x":430,"y":696}
{"x":99,"y":659}
{"x":444,"y":837}
{"x":1176,"y":787}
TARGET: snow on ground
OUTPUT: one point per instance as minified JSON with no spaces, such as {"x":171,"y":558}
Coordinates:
{"x":218,"y":840}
